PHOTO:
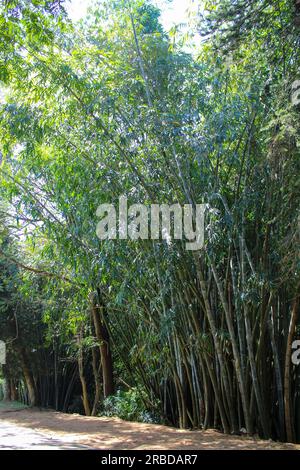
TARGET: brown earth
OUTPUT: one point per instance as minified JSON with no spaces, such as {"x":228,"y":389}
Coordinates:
{"x":36,"y":429}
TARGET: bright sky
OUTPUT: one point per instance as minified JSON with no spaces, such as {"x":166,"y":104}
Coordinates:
{"x":173,"y":11}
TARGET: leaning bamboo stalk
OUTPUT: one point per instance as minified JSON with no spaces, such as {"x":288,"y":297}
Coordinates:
{"x":249,"y":340}
{"x":217,"y":344}
{"x":237,"y":362}
{"x":278,"y":376}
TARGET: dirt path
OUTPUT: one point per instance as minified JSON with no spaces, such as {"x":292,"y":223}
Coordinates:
{"x":35,"y":429}
{"x":13,"y":437}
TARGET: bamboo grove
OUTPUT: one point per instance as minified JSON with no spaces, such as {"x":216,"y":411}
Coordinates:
{"x":114,"y":106}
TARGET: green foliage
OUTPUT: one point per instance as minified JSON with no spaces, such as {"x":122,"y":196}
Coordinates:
{"x":130,"y":406}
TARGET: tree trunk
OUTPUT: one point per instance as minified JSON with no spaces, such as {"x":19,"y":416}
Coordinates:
{"x":27,"y":376}
{"x":97,"y":381}
{"x":290,"y":430}
{"x":278,"y":378}
{"x":13,"y":390}
{"x":102,"y":336}
{"x":6,"y":391}
{"x":85,"y":398}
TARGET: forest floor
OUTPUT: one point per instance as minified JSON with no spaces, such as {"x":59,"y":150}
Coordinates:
{"x":24,"y":428}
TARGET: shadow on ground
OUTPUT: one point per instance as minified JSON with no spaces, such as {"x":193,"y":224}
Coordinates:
{"x":113,"y":433}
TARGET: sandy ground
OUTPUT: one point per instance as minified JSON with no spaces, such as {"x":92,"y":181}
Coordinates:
{"x":35,"y":429}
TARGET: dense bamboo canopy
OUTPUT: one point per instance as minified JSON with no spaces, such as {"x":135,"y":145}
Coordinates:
{"x":114,"y":106}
